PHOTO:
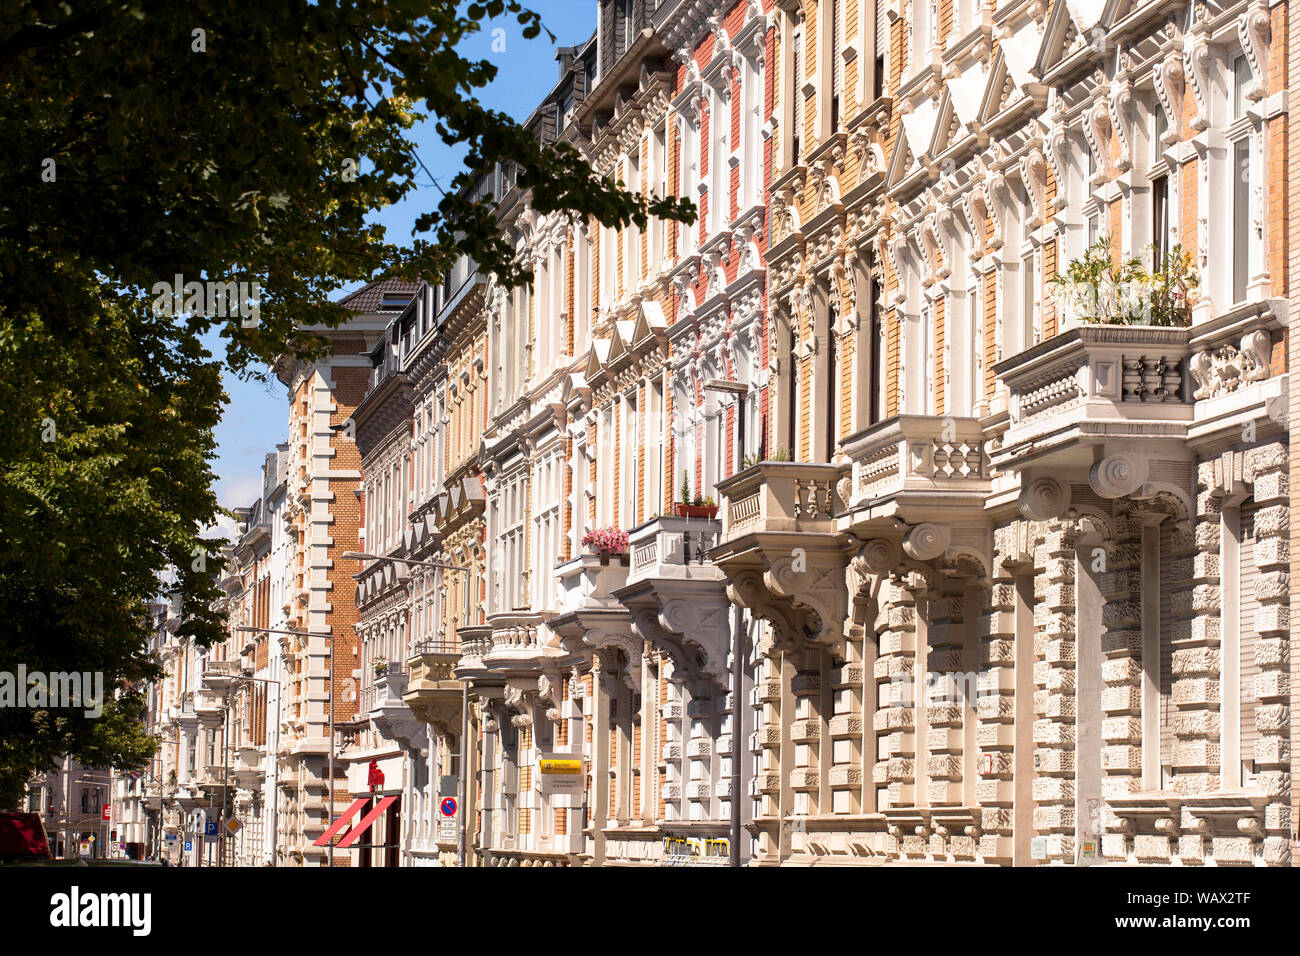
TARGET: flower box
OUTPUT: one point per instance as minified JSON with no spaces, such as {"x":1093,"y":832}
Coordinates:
{"x":697,"y":511}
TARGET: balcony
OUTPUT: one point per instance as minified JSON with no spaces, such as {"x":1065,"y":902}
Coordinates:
{"x":910,"y":466}
{"x":1112,"y":402}
{"x":780,"y":549}
{"x":389,"y":715}
{"x":677,"y":597}
{"x":433,"y":693}
{"x":591,"y":617}
{"x":918,"y":485}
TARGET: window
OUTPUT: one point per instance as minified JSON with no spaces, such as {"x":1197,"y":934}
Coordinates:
{"x":836,"y":14}
{"x":877,"y":345}
{"x":1240,"y":218}
{"x":796,"y":95}
{"x":1159,"y":220}
{"x":1240,"y":83}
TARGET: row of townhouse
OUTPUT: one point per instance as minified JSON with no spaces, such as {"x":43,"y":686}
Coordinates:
{"x":864,"y":521}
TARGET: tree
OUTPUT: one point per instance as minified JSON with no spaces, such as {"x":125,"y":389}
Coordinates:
{"x":224,"y":142}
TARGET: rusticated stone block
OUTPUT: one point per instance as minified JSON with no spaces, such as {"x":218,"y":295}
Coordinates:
{"x":940,"y":739}
{"x":1273,"y":683}
{"x":1197,"y":723}
{"x":1272,"y":751}
{"x":1002,"y":595}
{"x":1206,"y":565}
{"x":1116,"y":699}
{"x":997,"y":818}
{"x":998,"y":651}
{"x":944,"y":793}
{"x":1060,"y":594}
{"x":1059,"y":705}
{"x":1207,"y":535}
{"x":1273,"y":486}
{"x":943,"y":715}
{"x":901,"y":668}
{"x":1114,"y":846}
{"x":1273,"y":551}
{"x":848,"y":775}
{"x":1191,"y":848}
{"x":1273,"y":618}
{"x":1231,"y":849}
{"x":1121,"y":581}
{"x":996,"y":706}
{"x":1054,"y":818}
{"x":880,"y":772}
{"x":1196,"y":691}
{"x":991,"y":790}
{"x":1272,"y":718}
{"x":1055,"y":761}
{"x":892,"y":718}
{"x":962,"y":847}
{"x":1061,"y":679}
{"x":1121,"y":641}
{"x":1150,"y":848}
{"x":1277,"y":816}
{"x":1272,"y":586}
{"x":846,"y":725}
{"x":1059,"y":651}
{"x":900,"y":769}
{"x":1124,"y":671}
{"x":1275,"y":783}
{"x":1049,"y":789}
{"x":1192,"y":782}
{"x":1119,"y":786}
{"x":1053,"y":732}
{"x":1195,"y":661}
{"x":902,"y":617}
{"x":1272,"y":521}
{"x":1121,"y":758}
{"x":995,"y":735}
{"x":1271,"y":652}
{"x":1276,"y":851}
{"x":1122,"y":729}
{"x":1196,"y":753}
{"x":1199,"y":630}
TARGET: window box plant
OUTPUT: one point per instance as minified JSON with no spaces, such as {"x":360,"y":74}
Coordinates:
{"x":607,"y":542}
{"x":1097,"y":289}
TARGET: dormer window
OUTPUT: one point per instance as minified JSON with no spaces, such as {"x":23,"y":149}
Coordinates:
{"x":394,"y":301}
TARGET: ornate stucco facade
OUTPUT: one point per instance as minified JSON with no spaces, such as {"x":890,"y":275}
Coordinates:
{"x":986,"y":580}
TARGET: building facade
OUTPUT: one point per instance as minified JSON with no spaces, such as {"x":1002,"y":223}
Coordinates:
{"x":926,"y":501}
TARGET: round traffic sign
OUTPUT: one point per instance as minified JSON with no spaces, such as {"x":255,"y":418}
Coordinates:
{"x":448,"y":806}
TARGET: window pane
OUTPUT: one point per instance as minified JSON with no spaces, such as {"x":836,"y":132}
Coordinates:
{"x":1240,"y":218}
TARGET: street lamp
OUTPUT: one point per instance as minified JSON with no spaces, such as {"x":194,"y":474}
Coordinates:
{"x":330,"y":638}
{"x":462,"y":758}
{"x":741,"y":391}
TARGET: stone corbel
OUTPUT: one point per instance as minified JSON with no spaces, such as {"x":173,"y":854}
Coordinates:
{"x":1255,"y":30}
{"x":1097,"y":131}
{"x":1042,"y":499}
{"x":927,"y":541}
{"x":1119,"y":475}
{"x":1120,"y":103}
{"x":1058,"y":154}
{"x":1169,"y":85}
{"x":1033,"y":170}
{"x":976,"y":209}
{"x":1196,"y":68}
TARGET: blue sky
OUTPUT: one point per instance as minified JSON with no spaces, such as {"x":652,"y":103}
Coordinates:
{"x":257,"y":417}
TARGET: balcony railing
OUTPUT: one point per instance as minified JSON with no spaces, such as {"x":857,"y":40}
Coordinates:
{"x":668,"y":543}
{"x":780,"y":497}
{"x":916,"y":453}
{"x":1095,"y":381}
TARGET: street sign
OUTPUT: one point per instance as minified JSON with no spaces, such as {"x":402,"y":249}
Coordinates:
{"x":170,"y":838}
{"x":108,"y":812}
{"x":189,"y":845}
{"x":448,"y":785}
{"x":446,"y":830}
{"x":83,"y":849}
{"x":448,"y":806}
{"x":210,"y":828}
{"x":233,"y":825}
{"x":560,"y":773}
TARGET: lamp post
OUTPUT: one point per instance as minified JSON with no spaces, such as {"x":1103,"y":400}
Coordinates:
{"x":462,"y":757}
{"x":330,"y":638}
{"x":741,"y":391}
{"x":249,"y":678}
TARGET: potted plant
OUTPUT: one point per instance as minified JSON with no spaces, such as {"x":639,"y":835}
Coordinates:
{"x":1096,"y":289}
{"x":697,"y":507}
{"x":380,"y":664}
{"x":607,"y":541}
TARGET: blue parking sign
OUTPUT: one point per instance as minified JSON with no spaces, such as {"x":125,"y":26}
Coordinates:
{"x":210,"y":828}
{"x":188,"y":846}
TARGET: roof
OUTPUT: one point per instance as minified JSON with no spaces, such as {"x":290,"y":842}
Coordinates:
{"x":368,"y":298}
